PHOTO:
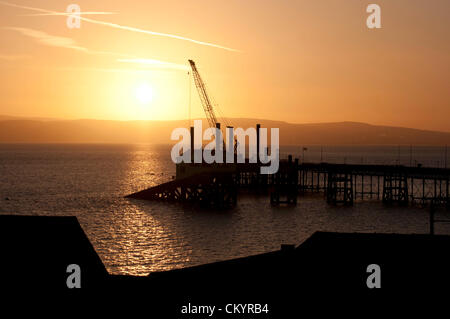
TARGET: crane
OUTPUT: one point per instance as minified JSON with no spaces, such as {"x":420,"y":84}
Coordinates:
{"x":204,"y":97}
{"x":206,"y":101}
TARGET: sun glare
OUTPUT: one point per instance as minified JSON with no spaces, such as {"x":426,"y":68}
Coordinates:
{"x":144,"y":93}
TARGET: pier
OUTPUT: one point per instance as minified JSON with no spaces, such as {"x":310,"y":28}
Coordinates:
{"x":218,"y":185}
{"x":216,"y":190}
{"x":389,"y":183}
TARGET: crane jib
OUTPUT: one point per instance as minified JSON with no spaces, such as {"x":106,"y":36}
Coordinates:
{"x":204,"y":97}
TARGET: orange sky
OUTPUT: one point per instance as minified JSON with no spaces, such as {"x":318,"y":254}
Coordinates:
{"x":298,"y":61}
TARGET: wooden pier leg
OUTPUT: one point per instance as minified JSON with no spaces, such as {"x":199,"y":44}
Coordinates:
{"x":423,"y":191}
{"x":302,"y":178}
{"x":307,"y":180}
{"x":378,"y":187}
{"x":331,"y":189}
{"x":350,"y":201}
{"x":318,"y":181}
{"x":324,"y":181}
{"x":387,"y":189}
{"x":371,"y":188}
{"x":405,"y":189}
{"x":435,"y":188}
{"x":362,"y":186}
{"x":447,"y":194}
{"x":345,"y":189}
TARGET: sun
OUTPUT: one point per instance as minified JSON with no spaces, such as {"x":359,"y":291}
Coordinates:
{"x":144,"y":93}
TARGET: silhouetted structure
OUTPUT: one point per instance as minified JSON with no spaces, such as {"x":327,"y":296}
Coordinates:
{"x":36,"y":251}
{"x":432,"y":209}
{"x":329,"y":266}
{"x":284,"y":186}
{"x":341,"y":183}
{"x":340,"y":188}
{"x":208,"y":190}
{"x":217,"y":185}
{"x":395,"y":188}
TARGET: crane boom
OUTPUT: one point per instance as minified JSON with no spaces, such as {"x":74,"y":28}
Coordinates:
{"x":205,"y":99}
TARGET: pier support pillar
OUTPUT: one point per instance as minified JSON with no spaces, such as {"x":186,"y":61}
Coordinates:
{"x":340,"y":188}
{"x":395,"y":189}
{"x":284,"y":188}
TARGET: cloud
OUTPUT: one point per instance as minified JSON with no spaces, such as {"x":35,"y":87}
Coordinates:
{"x":50,"y":40}
{"x":68,"y":43}
{"x":123,"y":27}
{"x":61,"y":42}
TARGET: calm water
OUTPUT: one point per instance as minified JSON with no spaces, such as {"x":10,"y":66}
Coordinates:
{"x":138,"y":237}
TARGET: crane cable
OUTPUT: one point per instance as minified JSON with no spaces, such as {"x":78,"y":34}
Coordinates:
{"x":190,"y":87}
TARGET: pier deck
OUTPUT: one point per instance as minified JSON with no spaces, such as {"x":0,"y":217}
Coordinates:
{"x":218,"y":184}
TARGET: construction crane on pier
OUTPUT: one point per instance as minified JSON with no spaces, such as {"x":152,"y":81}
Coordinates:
{"x":204,"y":97}
{"x":206,"y":101}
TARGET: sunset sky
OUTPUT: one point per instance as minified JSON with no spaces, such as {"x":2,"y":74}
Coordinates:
{"x":297,"y":61}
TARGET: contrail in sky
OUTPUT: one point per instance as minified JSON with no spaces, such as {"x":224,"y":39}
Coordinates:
{"x":57,"y":41}
{"x":68,"y":43}
{"x":65,"y":14}
{"x":122,"y":27}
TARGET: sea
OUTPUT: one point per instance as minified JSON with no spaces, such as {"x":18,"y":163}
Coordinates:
{"x":138,"y":237}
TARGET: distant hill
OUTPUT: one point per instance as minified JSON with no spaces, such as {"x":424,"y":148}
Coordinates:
{"x":9,"y":118}
{"x":22,"y":130}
